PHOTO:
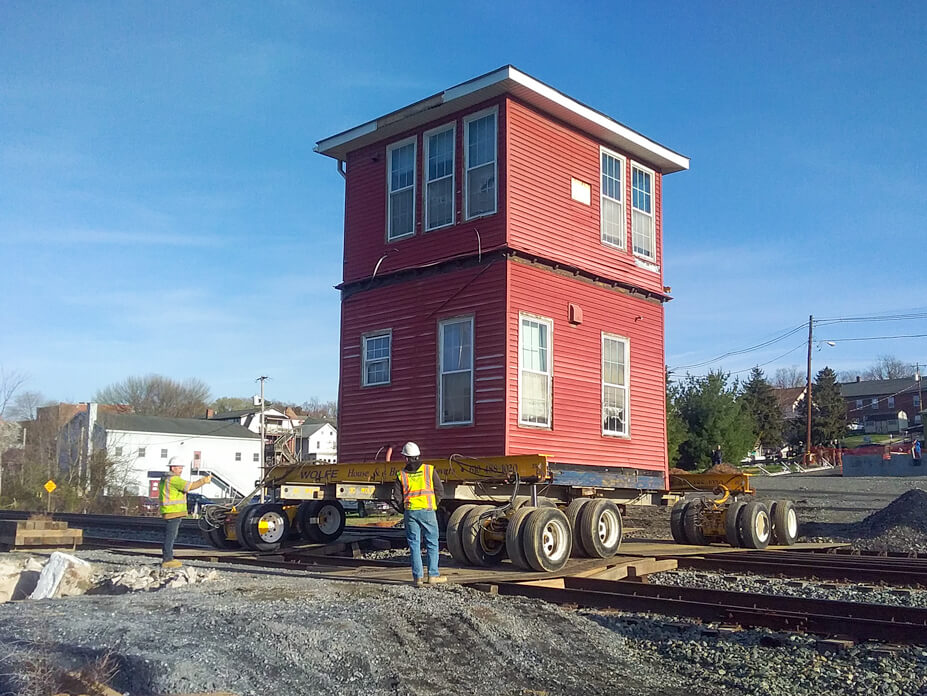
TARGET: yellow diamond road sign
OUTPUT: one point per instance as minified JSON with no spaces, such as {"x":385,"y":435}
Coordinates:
{"x":50,"y":485}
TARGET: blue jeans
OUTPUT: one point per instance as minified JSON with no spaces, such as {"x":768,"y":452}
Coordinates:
{"x":172,"y":526}
{"x":419,"y":523}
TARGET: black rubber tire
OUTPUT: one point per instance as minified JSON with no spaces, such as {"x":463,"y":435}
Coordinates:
{"x":547,"y":539}
{"x":514,"y":545}
{"x":240,"y":524}
{"x":677,"y":528}
{"x":475,"y":546}
{"x":572,"y":512}
{"x":754,"y":526}
{"x":333,"y":512}
{"x":250,"y":527}
{"x":784,"y":522}
{"x":522,"y":500}
{"x":217,"y":539}
{"x":303,"y":515}
{"x":453,"y":534}
{"x":592,"y":517}
{"x":692,"y":523}
{"x":731,"y":529}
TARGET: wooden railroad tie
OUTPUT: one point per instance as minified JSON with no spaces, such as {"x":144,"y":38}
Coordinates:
{"x":39,"y":533}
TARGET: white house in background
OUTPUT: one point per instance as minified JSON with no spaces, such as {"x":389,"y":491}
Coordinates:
{"x":275,"y":422}
{"x":141,"y":446}
{"x":317,"y":441}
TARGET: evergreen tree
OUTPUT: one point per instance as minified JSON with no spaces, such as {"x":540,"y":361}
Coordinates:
{"x":676,"y":430}
{"x":713,"y":416}
{"x":829,"y":411}
{"x":759,"y":402}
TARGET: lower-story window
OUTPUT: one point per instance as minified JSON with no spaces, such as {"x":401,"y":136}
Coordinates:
{"x":534,"y":371}
{"x":614,"y":385}
{"x":455,"y":359}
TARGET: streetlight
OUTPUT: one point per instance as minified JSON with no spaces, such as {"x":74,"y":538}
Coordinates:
{"x":808,"y":389}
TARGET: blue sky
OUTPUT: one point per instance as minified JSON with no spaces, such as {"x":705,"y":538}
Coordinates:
{"x":162,"y":209}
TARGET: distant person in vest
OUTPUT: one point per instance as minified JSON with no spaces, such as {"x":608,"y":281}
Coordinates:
{"x":716,"y":456}
{"x":172,"y":492}
{"x":418,"y":489}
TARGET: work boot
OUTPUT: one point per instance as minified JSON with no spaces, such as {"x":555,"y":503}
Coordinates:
{"x":437,"y":579}
{"x":417,"y":582}
{"x":171,"y":564}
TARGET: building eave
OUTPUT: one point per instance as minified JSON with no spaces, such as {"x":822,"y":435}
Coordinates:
{"x":506,"y":80}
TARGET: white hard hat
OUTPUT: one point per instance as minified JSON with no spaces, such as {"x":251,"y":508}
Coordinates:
{"x":411,"y":450}
{"x":174,"y":461}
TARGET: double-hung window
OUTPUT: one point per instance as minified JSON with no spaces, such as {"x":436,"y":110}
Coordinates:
{"x":480,"y":149}
{"x":376,"y":349}
{"x":401,"y":158}
{"x":612,"y":203}
{"x":642,"y":230}
{"x":534,"y":371}
{"x":891,"y":402}
{"x":614,"y":385}
{"x":455,"y":346}
{"x":874,"y":403}
{"x":439,"y":178}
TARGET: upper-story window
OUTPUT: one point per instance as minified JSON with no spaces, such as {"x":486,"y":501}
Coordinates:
{"x":376,"y":348}
{"x":642,"y":230}
{"x":535,"y":374}
{"x":875,"y":404}
{"x":439,"y":178}
{"x":891,"y":402}
{"x":480,"y":148}
{"x":455,"y":344}
{"x":401,"y":157}
{"x":859,"y":403}
{"x":612,"y":204}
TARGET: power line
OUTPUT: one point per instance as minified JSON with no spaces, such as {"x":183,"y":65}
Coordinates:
{"x":764,"y":344}
{"x":778,"y":357}
{"x":875,"y":338}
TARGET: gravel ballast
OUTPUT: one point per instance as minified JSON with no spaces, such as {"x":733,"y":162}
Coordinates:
{"x":258,"y":633}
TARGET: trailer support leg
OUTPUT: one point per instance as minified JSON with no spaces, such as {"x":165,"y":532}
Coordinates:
{"x":534,"y":495}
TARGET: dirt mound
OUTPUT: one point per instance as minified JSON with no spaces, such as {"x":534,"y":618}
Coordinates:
{"x":723,"y":468}
{"x":908,"y":510}
{"x":676,"y":471}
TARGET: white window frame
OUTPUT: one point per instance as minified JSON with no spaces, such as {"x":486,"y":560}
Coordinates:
{"x":452,"y":127}
{"x":602,"y":197}
{"x":466,"y":148}
{"x":522,"y":316}
{"x":626,"y":386}
{"x":163,"y":453}
{"x":141,"y":452}
{"x":652,"y":214}
{"x":389,"y":358}
{"x":413,"y":141}
{"x":256,"y":457}
{"x":441,"y":325}
{"x":238,"y":456}
{"x":118,"y":451}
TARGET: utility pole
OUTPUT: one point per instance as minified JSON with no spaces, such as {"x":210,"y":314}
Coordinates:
{"x":263,"y":434}
{"x":808,"y":395}
{"x":920,"y":397}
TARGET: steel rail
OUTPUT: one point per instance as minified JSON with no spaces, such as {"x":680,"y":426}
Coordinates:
{"x":858,"y":621}
{"x":819,"y":566}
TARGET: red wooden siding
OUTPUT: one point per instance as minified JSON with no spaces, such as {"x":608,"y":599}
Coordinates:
{"x":366,"y":207}
{"x":406,"y":409}
{"x":576,"y":433}
{"x":542,"y":217}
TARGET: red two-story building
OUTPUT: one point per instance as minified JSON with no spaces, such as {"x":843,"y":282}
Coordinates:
{"x":503,"y":281}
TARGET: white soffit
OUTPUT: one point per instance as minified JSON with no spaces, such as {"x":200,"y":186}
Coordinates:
{"x":525,"y":88}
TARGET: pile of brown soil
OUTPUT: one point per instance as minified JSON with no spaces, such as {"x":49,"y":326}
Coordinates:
{"x":723,"y":468}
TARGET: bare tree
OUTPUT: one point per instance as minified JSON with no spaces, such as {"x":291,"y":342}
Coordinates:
{"x":25,"y":405}
{"x":156,"y":395}
{"x":788,"y":377}
{"x":316,"y":408}
{"x":10,"y":382}
{"x":888,"y":367}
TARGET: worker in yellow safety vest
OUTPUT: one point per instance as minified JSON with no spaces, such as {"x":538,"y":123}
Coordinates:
{"x":418,"y":490}
{"x":172,"y":495}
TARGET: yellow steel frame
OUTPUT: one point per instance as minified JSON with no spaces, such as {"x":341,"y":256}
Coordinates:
{"x":724,"y":484}
{"x":455,"y":469}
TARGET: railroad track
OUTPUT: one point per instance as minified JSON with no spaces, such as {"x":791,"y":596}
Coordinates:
{"x":893,"y":570}
{"x":853,"y":620}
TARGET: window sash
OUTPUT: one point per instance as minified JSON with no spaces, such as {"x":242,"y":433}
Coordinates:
{"x":480,"y":148}
{"x":439,"y":178}
{"x":455,"y":345}
{"x":614,"y":385}
{"x":535,"y":371}
{"x":642,"y":223}
{"x":401,"y":184}
{"x":611,"y":207}
{"x":376,"y":363}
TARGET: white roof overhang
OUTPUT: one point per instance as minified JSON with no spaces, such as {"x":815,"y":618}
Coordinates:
{"x":507,"y":80}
